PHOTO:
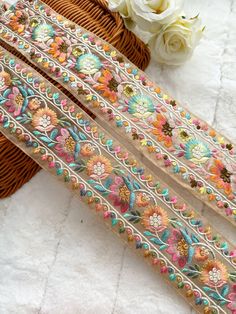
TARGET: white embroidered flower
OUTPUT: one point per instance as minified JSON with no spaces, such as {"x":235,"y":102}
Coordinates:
{"x":155,"y":220}
{"x":99,"y":169}
{"x":45,"y":121}
{"x":215,"y":275}
{"x":150,"y":15}
{"x":175,"y":42}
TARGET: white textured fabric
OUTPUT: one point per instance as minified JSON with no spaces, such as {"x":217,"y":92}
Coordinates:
{"x":57,"y":256}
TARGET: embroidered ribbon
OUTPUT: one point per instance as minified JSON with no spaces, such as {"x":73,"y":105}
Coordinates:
{"x":115,"y":90}
{"x":48,"y":126}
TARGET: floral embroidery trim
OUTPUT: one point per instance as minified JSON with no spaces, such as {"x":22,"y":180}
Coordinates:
{"x":193,"y":160}
{"x":34,"y":112}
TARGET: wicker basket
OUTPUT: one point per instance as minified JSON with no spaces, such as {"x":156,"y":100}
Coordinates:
{"x":16,"y":168}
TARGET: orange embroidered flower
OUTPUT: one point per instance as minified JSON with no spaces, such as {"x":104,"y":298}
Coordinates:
{"x":19,"y":21}
{"x":221,"y":176}
{"x":155,"y":218}
{"x":99,"y":167}
{"x":109,"y":85}
{"x":5,"y":80}
{"x":142,"y":199}
{"x":163,"y":130}
{"x":60,"y":48}
{"x":214,"y":274}
{"x":44,"y":119}
{"x":87,"y":150}
{"x":201,"y":253}
{"x":34,"y":103}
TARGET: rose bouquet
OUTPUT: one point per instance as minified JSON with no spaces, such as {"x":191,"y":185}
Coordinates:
{"x":162,"y":24}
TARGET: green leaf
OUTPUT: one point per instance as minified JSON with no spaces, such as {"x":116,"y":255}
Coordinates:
{"x":29,"y":114}
{"x":53,"y":134}
{"x":6,"y":124}
{"x":36,"y":132}
{"x":197,"y":267}
{"x":148,"y":233}
{"x":51,"y":144}
{"x":59,"y":171}
{"x":114,"y":221}
{"x":109,"y":143}
{"x":215,"y":296}
{"x":131,"y":200}
{"x":165,"y":192}
{"x":108,"y":182}
{"x":121,"y":230}
{"x":126,"y":215}
{"x":225,"y":290}
{"x":128,"y":183}
{"x":134,"y":219}
{"x":6,"y":92}
{"x":163,"y":247}
{"x":224,"y":246}
{"x":223,"y":302}
{"x":30,"y":92}
{"x":232,"y":276}
{"x":194,"y":238}
{"x":90,"y":181}
{"x":135,"y":213}
{"x":156,"y":241}
{"x":185,"y":270}
{"x":136,"y":185}
{"x":165,"y":235}
{"x":82,"y":136}
{"x":190,"y":253}
{"x":186,"y":236}
{"x":45,"y":139}
{"x":73,"y":165}
{"x":176,"y":224}
{"x":99,"y":188}
{"x":79,"y":168}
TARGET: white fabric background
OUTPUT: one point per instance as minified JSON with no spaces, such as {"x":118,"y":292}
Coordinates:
{"x":57,"y":257}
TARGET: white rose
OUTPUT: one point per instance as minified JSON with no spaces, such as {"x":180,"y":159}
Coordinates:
{"x":175,"y":42}
{"x":119,"y":6}
{"x":150,"y":15}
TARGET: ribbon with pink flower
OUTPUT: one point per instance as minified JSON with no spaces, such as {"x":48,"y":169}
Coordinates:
{"x":62,"y":138}
{"x":171,"y":138}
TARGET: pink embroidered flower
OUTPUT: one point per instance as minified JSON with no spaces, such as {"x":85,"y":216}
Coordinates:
{"x":221,"y":176}
{"x":66,"y":145}
{"x":155,"y":218}
{"x":163,"y":130}
{"x":178,"y":248}
{"x":44,"y":119}
{"x":214,"y":274}
{"x":232,"y":297}
{"x":17,"y":99}
{"x":99,"y":167}
{"x":5,"y":80}
{"x":120,"y":194}
{"x":60,"y":48}
{"x":108,"y":85}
